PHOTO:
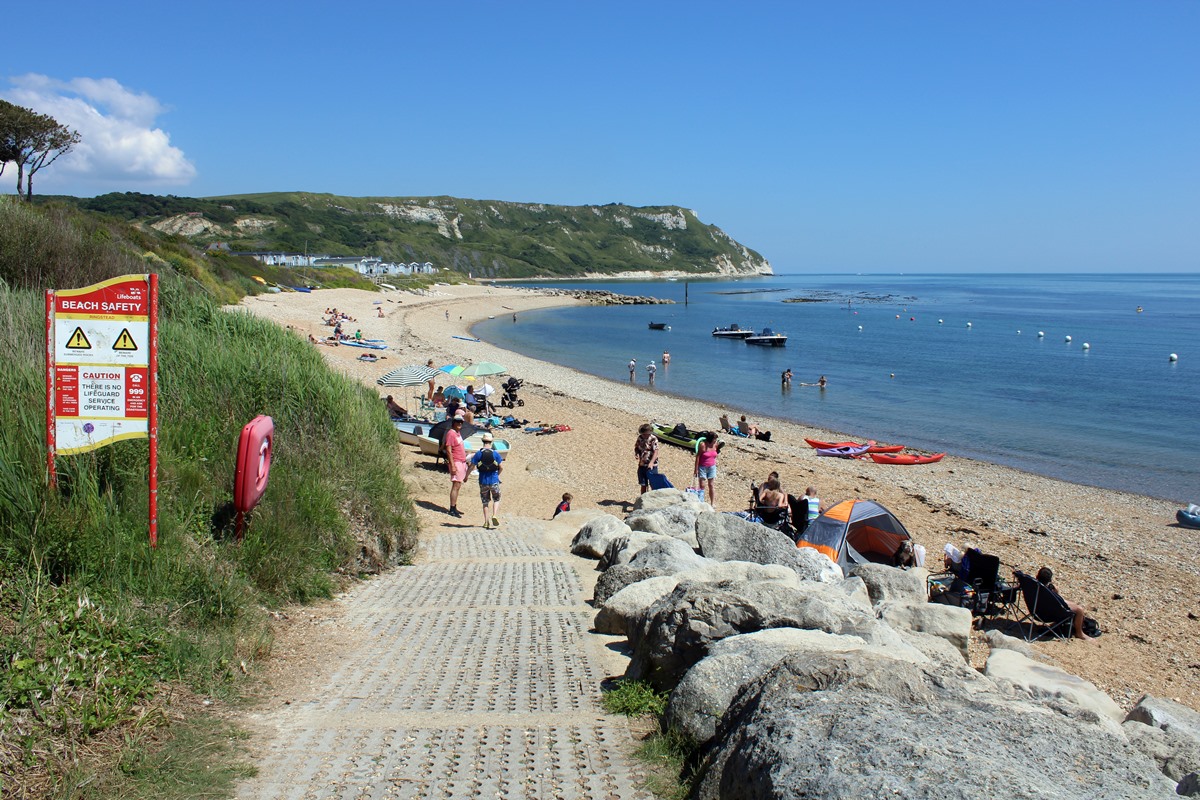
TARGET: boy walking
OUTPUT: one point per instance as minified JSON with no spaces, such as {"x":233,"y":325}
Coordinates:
{"x":488,"y":462}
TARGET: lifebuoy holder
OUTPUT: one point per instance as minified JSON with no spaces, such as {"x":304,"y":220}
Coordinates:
{"x":253,"y":466}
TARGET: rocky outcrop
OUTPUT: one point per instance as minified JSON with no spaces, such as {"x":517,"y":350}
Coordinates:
{"x":725,"y":537}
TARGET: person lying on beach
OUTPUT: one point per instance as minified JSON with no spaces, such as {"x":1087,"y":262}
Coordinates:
{"x":1045,"y":576}
{"x":394,"y":409}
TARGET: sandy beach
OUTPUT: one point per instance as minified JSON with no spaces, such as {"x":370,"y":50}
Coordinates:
{"x":1120,"y":555}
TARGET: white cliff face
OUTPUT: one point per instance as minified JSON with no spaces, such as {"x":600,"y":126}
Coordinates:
{"x":253,"y":224}
{"x":188,"y":225}
{"x":446,"y":227}
{"x":676,"y":221}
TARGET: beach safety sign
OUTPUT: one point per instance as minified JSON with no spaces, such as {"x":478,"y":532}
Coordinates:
{"x":101,"y":372}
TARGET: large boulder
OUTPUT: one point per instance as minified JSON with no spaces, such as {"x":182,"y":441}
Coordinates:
{"x":740,"y":572}
{"x":701,"y":698}
{"x":679,"y":628}
{"x":629,"y":605}
{"x":854,"y":725}
{"x":726,"y":537}
{"x":616,"y":578}
{"x":594,"y":536}
{"x":889,"y":583}
{"x":661,"y":498}
{"x":677,"y":520}
{"x":622,"y":549}
{"x":1175,"y":754}
{"x":1052,"y":685}
{"x":670,"y":556}
{"x":1168,"y":715}
{"x":946,"y":622}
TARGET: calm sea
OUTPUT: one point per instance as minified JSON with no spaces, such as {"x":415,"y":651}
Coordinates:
{"x":950,"y":363}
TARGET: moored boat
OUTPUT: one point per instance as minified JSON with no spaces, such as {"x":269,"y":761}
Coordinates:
{"x":658,"y":326}
{"x":734,"y":331}
{"x":410,"y":429}
{"x":1188,"y":517}
{"x":768,"y":338}
{"x":905,"y":458}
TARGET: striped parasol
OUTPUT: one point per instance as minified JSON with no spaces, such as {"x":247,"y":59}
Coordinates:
{"x":412,"y":375}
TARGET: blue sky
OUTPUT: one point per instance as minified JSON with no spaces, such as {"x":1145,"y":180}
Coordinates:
{"x":832,"y":137}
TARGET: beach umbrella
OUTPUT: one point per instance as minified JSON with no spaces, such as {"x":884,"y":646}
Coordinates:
{"x":412,"y":375}
{"x":454,"y":393}
{"x":438,"y":431}
{"x":451,"y":369}
{"x":481,"y":369}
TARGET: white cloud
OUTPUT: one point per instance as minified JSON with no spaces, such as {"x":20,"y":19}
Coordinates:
{"x":121,"y":149}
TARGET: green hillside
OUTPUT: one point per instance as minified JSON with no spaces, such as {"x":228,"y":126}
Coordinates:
{"x":483,"y":238}
{"x":113,"y":651}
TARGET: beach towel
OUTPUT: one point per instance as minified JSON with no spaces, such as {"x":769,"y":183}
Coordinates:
{"x":659,"y":481}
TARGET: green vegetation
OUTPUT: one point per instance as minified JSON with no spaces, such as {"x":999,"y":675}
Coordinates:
{"x":483,"y":238}
{"x":634,"y":699}
{"x":669,"y":758}
{"x":105,"y":639}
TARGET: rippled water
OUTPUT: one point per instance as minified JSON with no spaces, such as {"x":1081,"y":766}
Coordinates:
{"x":939,"y":362}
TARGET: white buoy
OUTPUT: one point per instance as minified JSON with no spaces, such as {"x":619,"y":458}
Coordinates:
{"x":1173,"y":358}
{"x":939,"y":322}
{"x":968,"y":324}
{"x":1018,"y":331}
{"x":1066,"y":338}
{"x":1041,"y":334}
{"x":860,"y":327}
{"x":1087,"y":346}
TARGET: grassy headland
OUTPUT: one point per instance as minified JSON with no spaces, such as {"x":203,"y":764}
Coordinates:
{"x":104,"y":640}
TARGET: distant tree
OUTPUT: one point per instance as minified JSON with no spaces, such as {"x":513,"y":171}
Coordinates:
{"x":33,"y":141}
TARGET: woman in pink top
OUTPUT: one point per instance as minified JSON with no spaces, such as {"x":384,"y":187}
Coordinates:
{"x":706,"y":465}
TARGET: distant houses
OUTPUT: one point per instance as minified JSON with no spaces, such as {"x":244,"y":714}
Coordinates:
{"x":371,"y":266}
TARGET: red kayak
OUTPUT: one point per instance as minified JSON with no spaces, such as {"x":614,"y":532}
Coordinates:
{"x":871,"y":446}
{"x":906,"y":458}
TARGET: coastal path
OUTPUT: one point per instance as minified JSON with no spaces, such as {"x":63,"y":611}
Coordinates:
{"x":469,"y":675}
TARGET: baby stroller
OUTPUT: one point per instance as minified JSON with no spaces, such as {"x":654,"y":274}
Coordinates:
{"x":510,"y":387}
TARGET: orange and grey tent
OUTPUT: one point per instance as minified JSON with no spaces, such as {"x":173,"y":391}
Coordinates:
{"x":854,"y":532}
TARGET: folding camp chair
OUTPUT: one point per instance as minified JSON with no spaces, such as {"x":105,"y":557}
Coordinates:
{"x":1044,"y":610}
{"x":979,"y":588}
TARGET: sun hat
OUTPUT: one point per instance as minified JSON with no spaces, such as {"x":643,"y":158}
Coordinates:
{"x":459,"y":418}
{"x":487,"y":438}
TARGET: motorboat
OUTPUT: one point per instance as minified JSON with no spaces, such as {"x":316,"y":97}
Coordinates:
{"x":767,"y":338}
{"x":734,"y":331}
{"x":659,"y":326}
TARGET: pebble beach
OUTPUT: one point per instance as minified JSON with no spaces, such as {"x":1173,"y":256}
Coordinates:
{"x":1120,"y":555}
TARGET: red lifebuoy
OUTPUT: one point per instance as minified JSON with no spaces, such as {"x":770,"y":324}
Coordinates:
{"x":253,"y":463}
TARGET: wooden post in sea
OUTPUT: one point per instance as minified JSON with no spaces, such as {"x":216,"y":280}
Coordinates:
{"x":685,"y":290}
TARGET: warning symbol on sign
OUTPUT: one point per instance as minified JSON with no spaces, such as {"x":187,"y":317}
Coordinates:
{"x":79,"y":341}
{"x":124,"y":341}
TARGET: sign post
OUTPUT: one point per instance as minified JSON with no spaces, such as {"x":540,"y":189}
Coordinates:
{"x":101,"y":372}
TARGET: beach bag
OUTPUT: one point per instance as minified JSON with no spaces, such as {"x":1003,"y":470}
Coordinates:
{"x":1091,"y":627}
{"x":658,"y":480}
{"x":695,"y":492}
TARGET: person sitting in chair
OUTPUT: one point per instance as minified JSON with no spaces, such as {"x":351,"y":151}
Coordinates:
{"x":745,"y":427}
{"x":1045,"y":576}
{"x":394,"y":409}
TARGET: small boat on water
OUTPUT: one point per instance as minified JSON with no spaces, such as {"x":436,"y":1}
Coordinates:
{"x":734,"y":331}
{"x":768,"y":338}
{"x":658,"y":326}
{"x":905,"y":458}
{"x":871,"y":446}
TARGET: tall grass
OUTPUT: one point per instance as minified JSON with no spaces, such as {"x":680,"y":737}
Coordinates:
{"x":94,"y":625}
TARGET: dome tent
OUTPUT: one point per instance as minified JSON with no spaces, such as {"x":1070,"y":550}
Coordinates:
{"x":855,"y":532}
